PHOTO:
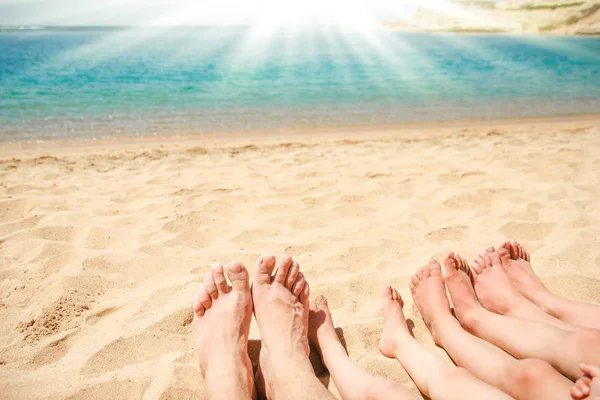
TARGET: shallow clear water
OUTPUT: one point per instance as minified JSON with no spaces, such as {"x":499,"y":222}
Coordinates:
{"x":94,"y":83}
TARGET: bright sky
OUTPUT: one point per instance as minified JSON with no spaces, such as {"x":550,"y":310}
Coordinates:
{"x":199,"y":12}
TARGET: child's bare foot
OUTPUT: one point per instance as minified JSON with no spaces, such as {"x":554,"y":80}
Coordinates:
{"x":588,"y":386}
{"x":394,"y":325}
{"x":459,"y":280}
{"x":429,"y":293}
{"x":516,"y":262}
{"x":222,"y":315}
{"x":497,"y":294}
{"x":493,"y":287}
{"x":321,"y":331}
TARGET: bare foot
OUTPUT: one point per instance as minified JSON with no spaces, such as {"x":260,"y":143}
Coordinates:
{"x":459,"y":280}
{"x":588,"y":386}
{"x":494,"y":289}
{"x":429,"y":294}
{"x":222,"y":315}
{"x":517,"y":265}
{"x":394,"y":322}
{"x":281,"y":310}
{"x":321,"y":331}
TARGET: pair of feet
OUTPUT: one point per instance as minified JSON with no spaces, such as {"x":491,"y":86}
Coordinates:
{"x":222,"y":315}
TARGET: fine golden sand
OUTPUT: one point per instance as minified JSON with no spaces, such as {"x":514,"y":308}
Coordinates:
{"x":103,"y":245}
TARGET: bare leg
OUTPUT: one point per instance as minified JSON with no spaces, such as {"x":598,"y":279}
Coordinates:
{"x":281,"y":310}
{"x":353,"y":382}
{"x":516,"y":263}
{"x":522,"y":338}
{"x":588,"y":386}
{"x":433,"y":377}
{"x":521,"y":379}
{"x":222,"y":315}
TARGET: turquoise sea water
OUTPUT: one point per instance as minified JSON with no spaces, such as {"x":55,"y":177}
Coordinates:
{"x":94,"y":83}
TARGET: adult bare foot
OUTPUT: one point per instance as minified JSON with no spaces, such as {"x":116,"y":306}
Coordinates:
{"x":429,"y":293}
{"x":281,"y":309}
{"x":497,"y":294}
{"x":222,"y":315}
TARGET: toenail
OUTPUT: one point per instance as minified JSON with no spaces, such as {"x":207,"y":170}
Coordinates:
{"x":490,"y":249}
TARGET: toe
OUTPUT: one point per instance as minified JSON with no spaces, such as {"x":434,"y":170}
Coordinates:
{"x":520,"y":253}
{"x":514,"y":250}
{"x":463,"y":264}
{"x":264,"y":269}
{"x":505,"y":244}
{"x":388,"y":293}
{"x":198,"y":307}
{"x":211,"y":287}
{"x":526,"y":256}
{"x":435,"y":269}
{"x":478,"y":264}
{"x":320,"y":302}
{"x":305,"y":294}
{"x":219,"y":278}
{"x":504,"y":254}
{"x":204,"y":298}
{"x":495,"y":257}
{"x":576,"y":393}
{"x":283,"y":268}
{"x":487,"y":261}
{"x":238,"y":275}
{"x":414,"y":280}
{"x":292,"y":275}
{"x":397,"y":298}
{"x":425,"y":271}
{"x":298,"y":285}
{"x":450,"y":265}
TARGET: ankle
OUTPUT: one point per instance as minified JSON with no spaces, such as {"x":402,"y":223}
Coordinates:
{"x":217,"y":359}
{"x":550,"y":303}
{"x":439,"y":326}
{"x":230,"y":375}
{"x":332,"y":350}
{"x":278,"y":371}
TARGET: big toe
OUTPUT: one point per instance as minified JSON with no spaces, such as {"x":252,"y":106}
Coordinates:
{"x":391,"y":301}
{"x":238,"y":275}
{"x":318,"y":303}
{"x":264,"y":268}
{"x":450,"y":265}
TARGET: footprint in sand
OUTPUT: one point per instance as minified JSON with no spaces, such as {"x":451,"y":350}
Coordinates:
{"x":453,"y":233}
{"x":186,"y":384}
{"x":172,"y":334}
{"x":14,"y":209}
{"x":113,"y":389}
{"x":526,"y":230}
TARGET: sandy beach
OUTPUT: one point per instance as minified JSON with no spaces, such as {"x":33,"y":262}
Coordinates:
{"x":103,"y":244}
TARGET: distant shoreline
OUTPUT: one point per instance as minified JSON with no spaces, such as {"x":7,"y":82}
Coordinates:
{"x":382,"y":28}
{"x":365,"y":132}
